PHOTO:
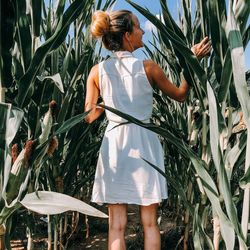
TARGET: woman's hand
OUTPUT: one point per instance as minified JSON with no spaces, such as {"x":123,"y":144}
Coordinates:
{"x":202,"y":48}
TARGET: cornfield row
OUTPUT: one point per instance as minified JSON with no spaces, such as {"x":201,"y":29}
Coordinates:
{"x":206,"y":139}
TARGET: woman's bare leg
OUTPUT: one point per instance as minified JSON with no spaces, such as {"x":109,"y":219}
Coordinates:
{"x":117,"y":226}
{"x":152,"y":238}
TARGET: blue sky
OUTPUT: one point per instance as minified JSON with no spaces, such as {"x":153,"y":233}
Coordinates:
{"x":154,"y":7}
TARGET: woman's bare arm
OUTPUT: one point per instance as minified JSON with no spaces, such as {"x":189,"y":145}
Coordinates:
{"x":157,"y":77}
{"x":92,"y":95}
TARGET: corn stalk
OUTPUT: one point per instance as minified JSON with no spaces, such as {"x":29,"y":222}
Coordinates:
{"x":237,"y":56}
{"x":213,"y":94}
{"x":41,"y":73}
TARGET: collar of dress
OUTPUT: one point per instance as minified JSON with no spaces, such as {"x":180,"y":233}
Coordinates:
{"x":121,"y":54}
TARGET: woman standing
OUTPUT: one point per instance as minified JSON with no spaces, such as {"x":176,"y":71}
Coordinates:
{"x":125,"y":83}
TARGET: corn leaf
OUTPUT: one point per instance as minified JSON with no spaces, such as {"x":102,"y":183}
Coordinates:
{"x":196,"y":235}
{"x":36,"y":16}
{"x":233,"y":155}
{"x":66,"y":61}
{"x":45,"y":202}
{"x":226,"y":76}
{"x":245,"y":180}
{"x":7,"y":41}
{"x":74,"y":10}
{"x":56,"y":79}
{"x":242,"y":10}
{"x":24,"y":35}
{"x":237,"y":55}
{"x":80,"y":71}
{"x":4,"y":113}
{"x":71,"y":123}
{"x":12,"y":120}
{"x":187,"y":59}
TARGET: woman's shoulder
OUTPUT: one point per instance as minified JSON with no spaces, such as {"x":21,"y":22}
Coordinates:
{"x":95,"y":69}
{"x":149,"y":63}
{"x":150,"y":68}
{"x":98,"y":68}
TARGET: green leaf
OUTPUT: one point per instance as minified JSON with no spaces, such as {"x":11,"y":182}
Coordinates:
{"x":45,"y":202}
{"x":16,"y":178}
{"x":245,"y":180}
{"x":242,"y":10}
{"x":187,"y":27}
{"x":4,"y":114}
{"x":196,"y":235}
{"x":232,"y":157}
{"x":82,"y":68}
{"x":219,"y":164}
{"x":24,"y":35}
{"x":237,"y":56}
{"x":187,"y":59}
{"x":226,"y":77}
{"x":56,"y":79}
{"x":74,"y":10}
{"x":214,"y":128}
{"x":12,"y":118}
{"x":67,"y":125}
{"x":36,"y":16}
{"x":59,"y":10}
{"x":7,"y":41}
{"x":67,"y":60}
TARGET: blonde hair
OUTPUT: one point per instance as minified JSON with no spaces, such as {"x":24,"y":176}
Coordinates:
{"x":111,"y":27}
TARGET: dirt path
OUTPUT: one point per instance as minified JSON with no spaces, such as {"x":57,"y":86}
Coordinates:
{"x":98,"y":234}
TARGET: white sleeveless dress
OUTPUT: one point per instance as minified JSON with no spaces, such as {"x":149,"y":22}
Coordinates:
{"x":122,"y":176}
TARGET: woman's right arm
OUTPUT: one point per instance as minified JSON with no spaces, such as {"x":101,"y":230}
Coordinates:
{"x":92,"y":94}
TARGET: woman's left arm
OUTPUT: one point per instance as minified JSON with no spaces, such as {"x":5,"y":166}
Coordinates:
{"x":92,"y":95}
{"x":202,"y":48}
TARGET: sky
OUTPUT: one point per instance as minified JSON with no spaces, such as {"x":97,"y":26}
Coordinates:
{"x":154,"y":7}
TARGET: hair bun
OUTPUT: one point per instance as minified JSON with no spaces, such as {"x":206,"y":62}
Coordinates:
{"x":100,"y":23}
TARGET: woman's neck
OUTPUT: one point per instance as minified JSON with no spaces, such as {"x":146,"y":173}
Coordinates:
{"x":127,"y":47}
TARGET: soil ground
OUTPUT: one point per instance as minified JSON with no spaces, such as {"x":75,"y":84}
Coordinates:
{"x":95,"y":237}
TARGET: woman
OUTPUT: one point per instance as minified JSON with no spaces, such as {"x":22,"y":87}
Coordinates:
{"x":125,"y":83}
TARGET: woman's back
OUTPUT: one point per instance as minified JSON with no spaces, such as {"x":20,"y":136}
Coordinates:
{"x":124,"y":86}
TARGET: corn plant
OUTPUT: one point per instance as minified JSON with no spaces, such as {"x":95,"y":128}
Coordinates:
{"x":44,"y":73}
{"x":205,"y":149}
{"x":206,"y":121}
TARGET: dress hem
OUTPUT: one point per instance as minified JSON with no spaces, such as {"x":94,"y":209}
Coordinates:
{"x":150,"y":202}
